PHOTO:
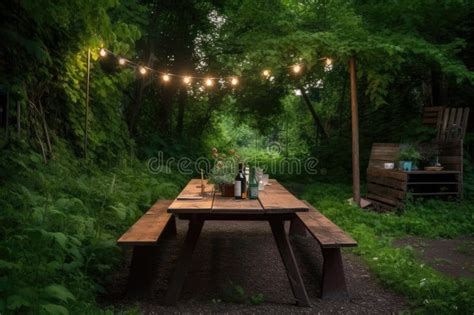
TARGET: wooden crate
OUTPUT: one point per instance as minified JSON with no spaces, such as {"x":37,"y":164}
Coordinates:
{"x":387,"y":189}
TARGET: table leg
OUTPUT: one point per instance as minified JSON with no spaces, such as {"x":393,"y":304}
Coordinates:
{"x":298,"y":228}
{"x":289,"y":261}
{"x":170,"y":229}
{"x":184,"y":261}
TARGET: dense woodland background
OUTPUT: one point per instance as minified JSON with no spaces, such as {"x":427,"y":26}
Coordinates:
{"x":62,"y":210}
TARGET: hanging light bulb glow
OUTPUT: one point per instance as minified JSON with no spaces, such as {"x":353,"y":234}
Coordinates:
{"x":234,"y":81}
{"x":103,"y":52}
{"x":266,"y":73}
{"x":209,"y":82}
{"x":166,"y":78}
{"x":122,"y":61}
{"x":143,"y":70}
{"x":296,"y":68}
{"x":328,"y":61}
{"x":187,"y":80}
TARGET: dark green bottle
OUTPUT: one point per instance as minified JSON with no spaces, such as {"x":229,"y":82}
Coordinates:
{"x":253,"y":184}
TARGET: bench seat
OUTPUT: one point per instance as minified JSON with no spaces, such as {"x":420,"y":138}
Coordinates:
{"x":143,"y":237}
{"x":331,"y":238}
{"x":149,"y":228}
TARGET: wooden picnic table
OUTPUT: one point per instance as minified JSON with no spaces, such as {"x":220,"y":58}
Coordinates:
{"x":275,"y":204}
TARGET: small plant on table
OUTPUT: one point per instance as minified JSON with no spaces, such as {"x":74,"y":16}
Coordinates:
{"x":224,"y":170}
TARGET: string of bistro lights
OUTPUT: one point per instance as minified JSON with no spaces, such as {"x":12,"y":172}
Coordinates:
{"x":187,"y":79}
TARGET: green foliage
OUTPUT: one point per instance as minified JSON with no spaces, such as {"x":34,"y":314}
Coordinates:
{"x":408,"y":152}
{"x":427,"y":290}
{"x":234,"y":293}
{"x":59,"y":226}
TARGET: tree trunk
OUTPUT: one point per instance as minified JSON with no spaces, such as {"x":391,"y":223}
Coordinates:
{"x":439,"y":91}
{"x":316,"y":119}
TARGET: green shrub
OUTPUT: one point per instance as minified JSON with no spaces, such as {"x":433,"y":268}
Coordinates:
{"x":59,"y":223}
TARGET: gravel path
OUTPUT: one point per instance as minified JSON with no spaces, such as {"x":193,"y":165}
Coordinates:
{"x":230,"y":255}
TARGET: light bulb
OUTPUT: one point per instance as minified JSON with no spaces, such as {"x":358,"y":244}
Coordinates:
{"x":103,"y":52}
{"x":266,"y":73}
{"x":187,"y":80}
{"x":143,"y":70}
{"x":166,"y":78}
{"x":122,"y":61}
{"x":234,"y":81}
{"x":296,"y":68}
{"x":328,"y":61}
{"x":209,"y":82}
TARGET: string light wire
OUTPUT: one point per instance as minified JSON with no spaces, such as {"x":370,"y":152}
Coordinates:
{"x":187,"y":79}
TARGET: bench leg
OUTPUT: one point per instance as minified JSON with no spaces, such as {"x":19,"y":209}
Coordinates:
{"x":170,"y":229}
{"x":333,"y":285}
{"x":289,"y":261}
{"x":298,"y":228}
{"x":140,"y":280}
{"x":184,"y":261}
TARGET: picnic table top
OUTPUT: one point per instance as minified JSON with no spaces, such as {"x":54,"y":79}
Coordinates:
{"x":273,"y":199}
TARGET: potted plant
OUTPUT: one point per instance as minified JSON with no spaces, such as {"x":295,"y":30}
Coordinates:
{"x":408,"y":157}
{"x":224,"y":171}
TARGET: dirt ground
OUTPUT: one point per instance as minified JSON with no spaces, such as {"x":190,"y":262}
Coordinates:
{"x":454,"y":257}
{"x":243,"y":257}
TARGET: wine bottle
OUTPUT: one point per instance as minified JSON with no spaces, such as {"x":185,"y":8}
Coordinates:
{"x":253,"y":184}
{"x":239,"y":183}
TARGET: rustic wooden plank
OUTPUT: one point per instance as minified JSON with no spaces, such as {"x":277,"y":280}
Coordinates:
{"x":328,"y":234}
{"x":385,"y":191}
{"x":430,"y":120}
{"x":387,"y":181}
{"x":159,"y":207}
{"x":193,"y":190}
{"x":432,"y":183}
{"x":148,"y":229}
{"x":464,"y":122}
{"x":236,"y":206}
{"x":395,"y":174}
{"x":392,"y":202}
{"x":421,"y":172}
{"x":380,"y":144}
{"x":383,"y":153}
{"x":458,"y":120}
{"x":444,"y":125}
{"x":436,"y":193}
{"x":382,"y":207}
{"x":435,"y":109}
{"x":276,"y":199}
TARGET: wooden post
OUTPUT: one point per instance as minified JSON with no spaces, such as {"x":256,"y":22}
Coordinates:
{"x":87,"y":101}
{"x":355,"y":133}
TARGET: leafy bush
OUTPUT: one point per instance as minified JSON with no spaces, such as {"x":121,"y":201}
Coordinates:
{"x":59,"y":226}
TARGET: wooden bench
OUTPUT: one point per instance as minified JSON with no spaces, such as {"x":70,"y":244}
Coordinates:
{"x":143,"y":237}
{"x":331,"y":238}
